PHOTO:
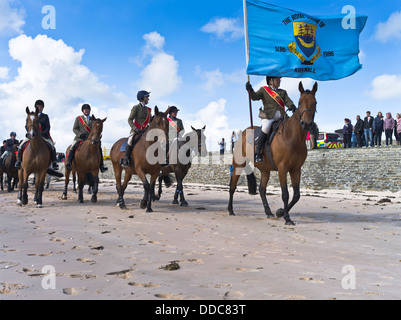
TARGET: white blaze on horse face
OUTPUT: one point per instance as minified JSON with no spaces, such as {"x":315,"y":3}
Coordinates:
{"x":32,"y":118}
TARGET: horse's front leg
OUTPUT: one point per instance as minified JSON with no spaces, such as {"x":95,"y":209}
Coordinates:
{"x":66,"y":183}
{"x":146,"y":187}
{"x":180,"y":189}
{"x":296,"y":182}
{"x":81,"y":184}
{"x":40,"y":185}
{"x":285,"y":197}
{"x":95,"y":189}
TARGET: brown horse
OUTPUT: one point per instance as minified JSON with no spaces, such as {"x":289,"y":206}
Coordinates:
{"x":142,"y":153}
{"x":288,"y":151}
{"x":193,"y":141}
{"x":36,"y":159}
{"x":87,"y":162}
{"x":10,"y":170}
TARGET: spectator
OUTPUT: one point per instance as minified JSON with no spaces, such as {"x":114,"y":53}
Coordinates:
{"x":222,"y":145}
{"x":233,"y":141}
{"x":388,"y":127}
{"x":398,"y":130}
{"x":358,"y":129}
{"x":347,"y":132}
{"x":368,"y":129}
{"x":378,"y":124}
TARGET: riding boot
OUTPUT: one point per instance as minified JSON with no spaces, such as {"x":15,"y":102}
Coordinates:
{"x":70,"y":157}
{"x":103,"y":169}
{"x":18,"y":164}
{"x":126,"y":161}
{"x":259,"y":149}
{"x":54,"y":160}
{"x":166,"y":162}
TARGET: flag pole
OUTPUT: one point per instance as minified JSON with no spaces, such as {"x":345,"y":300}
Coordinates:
{"x":247,"y":55}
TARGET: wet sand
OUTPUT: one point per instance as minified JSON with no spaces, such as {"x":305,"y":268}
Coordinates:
{"x":201,"y":253}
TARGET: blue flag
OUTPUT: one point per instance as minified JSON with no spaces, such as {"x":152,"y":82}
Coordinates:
{"x":287,"y":43}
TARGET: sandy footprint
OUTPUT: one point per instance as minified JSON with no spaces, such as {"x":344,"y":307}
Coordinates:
{"x":169,"y":296}
{"x":145,"y":285}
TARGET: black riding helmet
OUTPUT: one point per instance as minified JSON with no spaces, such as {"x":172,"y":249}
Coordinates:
{"x":40,"y":103}
{"x":142,"y":94}
{"x":173,"y":109}
{"x":13,"y":134}
{"x":85,"y":106}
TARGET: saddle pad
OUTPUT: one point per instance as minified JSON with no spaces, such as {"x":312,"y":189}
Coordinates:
{"x":271,"y":134}
{"x":124,"y":146}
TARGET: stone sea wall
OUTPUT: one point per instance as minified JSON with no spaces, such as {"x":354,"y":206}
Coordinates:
{"x":376,"y":169}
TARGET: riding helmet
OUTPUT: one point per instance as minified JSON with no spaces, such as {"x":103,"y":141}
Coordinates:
{"x":40,"y":103}
{"x":173,"y":109}
{"x":13,"y":134}
{"x":86,"y":106}
{"x":142,"y":94}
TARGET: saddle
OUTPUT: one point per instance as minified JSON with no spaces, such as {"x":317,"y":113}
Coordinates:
{"x":135,"y":140}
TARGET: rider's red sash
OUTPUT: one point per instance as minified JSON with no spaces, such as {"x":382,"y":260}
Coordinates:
{"x":173,"y":124}
{"x":83,"y":122}
{"x":145,"y":124}
{"x":275,"y":96}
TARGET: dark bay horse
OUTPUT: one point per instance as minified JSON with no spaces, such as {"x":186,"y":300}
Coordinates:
{"x":180,"y":164}
{"x":143,"y":161}
{"x":86,"y":162}
{"x":288,"y":151}
{"x":36,"y":159}
{"x":10,"y":170}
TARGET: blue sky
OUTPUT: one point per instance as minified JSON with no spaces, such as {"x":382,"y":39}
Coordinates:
{"x":188,"y":53}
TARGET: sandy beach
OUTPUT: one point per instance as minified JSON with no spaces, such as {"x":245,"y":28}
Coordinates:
{"x":98,"y":251}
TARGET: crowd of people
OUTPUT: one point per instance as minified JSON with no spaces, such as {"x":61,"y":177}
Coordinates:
{"x":369,"y":131}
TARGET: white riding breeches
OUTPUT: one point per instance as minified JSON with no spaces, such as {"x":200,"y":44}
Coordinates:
{"x":267,"y":123}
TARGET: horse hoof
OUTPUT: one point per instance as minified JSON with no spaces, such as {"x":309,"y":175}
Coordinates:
{"x":280,"y":213}
{"x":39,"y":206}
{"x":149,"y":211}
{"x":175,"y":202}
{"x":80,"y":201}
{"x":290,"y":223}
{"x":232,"y":214}
{"x":156,"y":198}
{"x":184,"y":204}
{"x":270,"y":216}
{"x":64,"y":197}
{"x":144,"y":204}
{"x":19,"y":203}
{"x":94,"y":200}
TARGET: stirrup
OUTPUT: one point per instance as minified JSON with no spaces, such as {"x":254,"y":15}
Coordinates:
{"x":55,"y":166}
{"x":18,"y":164}
{"x":124,"y":163}
{"x":103,"y":169}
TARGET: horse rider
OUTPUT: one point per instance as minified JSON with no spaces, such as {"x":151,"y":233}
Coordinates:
{"x":274,"y":101}
{"x":138,"y":120}
{"x":9,"y":147}
{"x":82,"y":128}
{"x":176,"y":130}
{"x":44,"y":127}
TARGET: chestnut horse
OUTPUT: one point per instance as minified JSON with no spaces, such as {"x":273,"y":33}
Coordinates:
{"x":87,"y":162}
{"x":289,"y":153}
{"x":10,"y":170}
{"x":193,"y":141}
{"x":36,"y":159}
{"x":142,"y":153}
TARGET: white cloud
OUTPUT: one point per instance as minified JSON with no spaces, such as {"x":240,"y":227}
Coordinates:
{"x":11,"y":19}
{"x":216,"y":121}
{"x":52,"y":71}
{"x":4,"y":72}
{"x":160,"y":76}
{"x":215,"y":78}
{"x":391,"y":29}
{"x":224,"y":28}
{"x":387,"y":86}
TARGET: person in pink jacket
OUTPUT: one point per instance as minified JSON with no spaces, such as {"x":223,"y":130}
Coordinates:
{"x":398,"y":129}
{"x":389,"y":124}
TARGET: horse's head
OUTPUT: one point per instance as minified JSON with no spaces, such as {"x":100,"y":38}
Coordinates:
{"x":160,"y":122}
{"x":32,"y":123}
{"x":97,"y":129}
{"x":307,"y":107}
{"x":201,"y":139}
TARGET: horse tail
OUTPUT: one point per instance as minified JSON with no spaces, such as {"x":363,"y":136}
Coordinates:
{"x":55,"y":173}
{"x":168,"y":180}
{"x":252,"y":185}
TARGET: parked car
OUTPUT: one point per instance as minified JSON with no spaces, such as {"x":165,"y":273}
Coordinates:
{"x":329,"y":141}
